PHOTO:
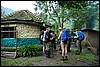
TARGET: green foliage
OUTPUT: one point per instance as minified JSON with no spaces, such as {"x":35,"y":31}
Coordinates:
{"x":92,"y":14}
{"x":30,"y":50}
{"x":85,"y":17}
{"x":73,"y":4}
{"x":91,"y":58}
{"x":58,"y":11}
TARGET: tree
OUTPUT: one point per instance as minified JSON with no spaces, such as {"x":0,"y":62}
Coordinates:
{"x":92,"y":14}
{"x":86,"y":16}
{"x":57,"y":11}
{"x":78,"y":18}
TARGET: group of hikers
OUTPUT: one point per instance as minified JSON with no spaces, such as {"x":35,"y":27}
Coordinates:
{"x":64,"y":39}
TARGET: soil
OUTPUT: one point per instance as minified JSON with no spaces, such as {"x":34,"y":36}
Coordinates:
{"x":73,"y":59}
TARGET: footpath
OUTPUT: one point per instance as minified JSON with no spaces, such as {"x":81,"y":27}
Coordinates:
{"x":73,"y":59}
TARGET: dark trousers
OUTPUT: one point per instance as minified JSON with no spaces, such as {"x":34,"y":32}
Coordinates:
{"x":49,"y":50}
{"x":79,"y":46}
{"x":69,"y":45}
{"x":54,"y":45}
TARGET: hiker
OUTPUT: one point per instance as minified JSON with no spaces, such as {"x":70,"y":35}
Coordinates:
{"x":47,"y":43}
{"x":80,"y":37}
{"x":69,"y":41}
{"x":64,"y":38}
{"x":45,"y":39}
{"x":41,"y":36}
{"x":54,"y":40}
{"x":51,"y":42}
{"x":59,"y":40}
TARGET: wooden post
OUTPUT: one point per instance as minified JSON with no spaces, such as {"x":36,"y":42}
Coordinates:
{"x":16,"y":42}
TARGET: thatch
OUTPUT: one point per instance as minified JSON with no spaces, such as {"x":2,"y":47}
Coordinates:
{"x":24,"y":15}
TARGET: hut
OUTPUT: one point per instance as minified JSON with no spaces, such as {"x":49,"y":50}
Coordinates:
{"x":21,"y":27}
{"x":91,"y":38}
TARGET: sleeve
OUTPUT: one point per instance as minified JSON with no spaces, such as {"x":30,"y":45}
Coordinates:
{"x":76,"y":33}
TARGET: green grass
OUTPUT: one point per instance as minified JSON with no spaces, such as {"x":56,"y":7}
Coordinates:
{"x":22,"y":61}
{"x":90,"y":58}
{"x":86,"y":56}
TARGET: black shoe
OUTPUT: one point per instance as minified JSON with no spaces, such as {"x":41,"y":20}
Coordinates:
{"x":66,"y":58}
{"x":77,"y":53}
{"x":55,"y":50}
{"x":62,"y":58}
{"x":69,"y":51}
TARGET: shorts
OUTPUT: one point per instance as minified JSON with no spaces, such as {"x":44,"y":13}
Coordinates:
{"x":64,"y":42}
{"x":44,"y":43}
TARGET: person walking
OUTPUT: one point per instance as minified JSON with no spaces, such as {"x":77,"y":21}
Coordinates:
{"x":46,"y":37}
{"x":51,"y":43}
{"x":47,"y":43}
{"x":64,"y":38}
{"x":80,"y":37}
{"x":69,"y":41}
{"x":54,"y":40}
{"x":59,"y":40}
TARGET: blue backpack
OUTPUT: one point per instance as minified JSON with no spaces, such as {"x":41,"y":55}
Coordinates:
{"x":81,"y":35}
{"x":65,"y":35}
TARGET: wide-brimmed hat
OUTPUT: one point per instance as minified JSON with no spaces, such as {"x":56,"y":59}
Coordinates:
{"x":60,"y":28}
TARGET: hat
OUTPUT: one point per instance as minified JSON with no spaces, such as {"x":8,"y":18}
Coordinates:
{"x":60,"y":28}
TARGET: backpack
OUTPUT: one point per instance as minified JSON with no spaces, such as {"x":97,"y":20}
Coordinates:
{"x":41,"y":34}
{"x":45,"y":36}
{"x":81,"y":35}
{"x":65,"y":35}
{"x":41,"y":37}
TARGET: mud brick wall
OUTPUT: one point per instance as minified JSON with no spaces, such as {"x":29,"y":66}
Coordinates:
{"x":28,"y":31}
{"x":27,"y":34}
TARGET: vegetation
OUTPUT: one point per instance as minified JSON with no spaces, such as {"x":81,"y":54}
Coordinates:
{"x":29,"y":51}
{"x":85,"y":57}
{"x":76,"y":14}
{"x":26,"y":61}
{"x":57,"y":11}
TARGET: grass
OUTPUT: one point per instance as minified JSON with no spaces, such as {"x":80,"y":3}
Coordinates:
{"x":84,"y":57}
{"x":90,"y":58}
{"x":22,"y":61}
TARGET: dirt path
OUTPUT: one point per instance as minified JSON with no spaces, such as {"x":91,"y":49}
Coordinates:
{"x":73,"y":60}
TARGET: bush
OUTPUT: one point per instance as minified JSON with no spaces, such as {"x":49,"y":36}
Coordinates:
{"x":30,"y":50}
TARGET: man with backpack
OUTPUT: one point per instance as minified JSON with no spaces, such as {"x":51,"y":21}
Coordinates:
{"x":64,"y":38}
{"x":80,"y":37}
{"x":47,"y":43}
{"x":45,"y":39}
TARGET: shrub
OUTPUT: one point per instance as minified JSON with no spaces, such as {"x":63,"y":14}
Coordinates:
{"x":29,"y":51}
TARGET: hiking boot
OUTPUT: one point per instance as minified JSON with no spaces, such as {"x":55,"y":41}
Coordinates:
{"x":62,"y":58}
{"x":66,"y":58}
{"x":69,"y":51}
{"x":77,"y":52}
